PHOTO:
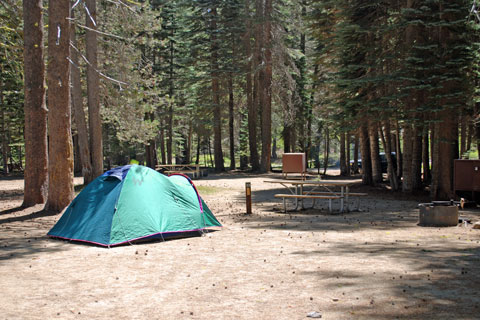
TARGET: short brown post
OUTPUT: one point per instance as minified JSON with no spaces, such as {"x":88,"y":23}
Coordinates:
{"x":248,"y":193}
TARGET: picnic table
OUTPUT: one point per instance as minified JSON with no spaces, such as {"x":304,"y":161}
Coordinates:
{"x":321,"y":189}
{"x":194,"y":169}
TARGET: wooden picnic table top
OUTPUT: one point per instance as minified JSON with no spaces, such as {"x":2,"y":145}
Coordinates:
{"x":339,"y":183}
{"x":178,"y":166}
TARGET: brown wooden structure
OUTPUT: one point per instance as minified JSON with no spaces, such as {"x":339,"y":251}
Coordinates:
{"x":467,"y":179}
{"x":294,"y":163}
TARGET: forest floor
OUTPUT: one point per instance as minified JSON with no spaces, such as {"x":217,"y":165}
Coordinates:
{"x":376,"y":263}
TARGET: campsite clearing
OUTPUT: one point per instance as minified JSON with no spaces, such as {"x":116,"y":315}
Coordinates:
{"x":373,"y":264}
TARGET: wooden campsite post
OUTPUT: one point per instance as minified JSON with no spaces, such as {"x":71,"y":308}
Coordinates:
{"x":248,"y":193}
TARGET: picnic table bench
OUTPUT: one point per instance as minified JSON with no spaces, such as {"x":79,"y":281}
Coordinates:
{"x":307,"y":196}
{"x":296,"y":189}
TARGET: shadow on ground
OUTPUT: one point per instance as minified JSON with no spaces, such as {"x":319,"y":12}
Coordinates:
{"x":29,"y":216}
{"x":441,"y":281}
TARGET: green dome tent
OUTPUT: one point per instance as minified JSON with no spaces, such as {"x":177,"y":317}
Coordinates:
{"x":134,"y":202}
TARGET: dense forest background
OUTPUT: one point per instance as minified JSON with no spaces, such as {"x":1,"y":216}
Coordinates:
{"x":233,"y":84}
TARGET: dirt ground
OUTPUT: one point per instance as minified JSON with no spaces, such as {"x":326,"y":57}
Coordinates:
{"x":375,"y":263}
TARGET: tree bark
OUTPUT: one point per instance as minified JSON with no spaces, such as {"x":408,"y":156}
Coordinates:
{"x":407,"y":183}
{"x":197,"y":161}
{"x":347,"y":152}
{"x":446,"y":131}
{"x":60,"y":150}
{"x":416,"y":165}
{"x":188,"y":147}
{"x":377,"y":175}
{"x":93,"y":98}
{"x":355,"y":154}
{"x":398,"y":151}
{"x":463,"y":135}
{"x":5,"y":135}
{"x":217,"y":110}
{"x":442,"y":173}
{"x":387,"y":146}
{"x":151,"y":147}
{"x":252,"y":107}
{"x":267,"y":92}
{"x":162,"y":142}
{"x":343,"y":160}
{"x":210,"y":152}
{"x":257,"y":82}
{"x":78,"y":113}
{"x":426,"y":156}
{"x":171,"y":93}
{"x":231,"y":126}
{"x":433,"y":138}
{"x":470,"y":135}
{"x":326,"y":152}
{"x":36,"y":149}
{"x":367,"y":177}
{"x":243,"y":138}
{"x":287,"y":137}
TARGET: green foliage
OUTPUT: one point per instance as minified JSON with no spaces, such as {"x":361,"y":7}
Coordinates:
{"x":124,"y":59}
{"x":377,"y":74}
{"x":11,"y":73}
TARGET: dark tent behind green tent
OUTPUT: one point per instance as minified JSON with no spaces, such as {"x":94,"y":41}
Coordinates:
{"x":134,"y":202}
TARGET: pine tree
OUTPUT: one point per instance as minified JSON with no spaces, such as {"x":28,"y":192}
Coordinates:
{"x":36,"y":150}
{"x":60,"y":150}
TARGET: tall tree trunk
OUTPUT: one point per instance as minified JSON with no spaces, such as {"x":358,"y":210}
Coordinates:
{"x":463,"y":135}
{"x":310,"y":119}
{"x":5,"y":135}
{"x":36,"y":149}
{"x":162,"y":141}
{"x":302,"y":105}
{"x":197,"y":161}
{"x":210,"y":152}
{"x":398,"y":151}
{"x":217,"y":110}
{"x":252,"y":108}
{"x":274,"y":147}
{"x":442,"y":172}
{"x":171,"y":93}
{"x":355,"y":154}
{"x":188,"y":147}
{"x":343,"y":160}
{"x":347,"y":151}
{"x":243,"y":138}
{"x":326,"y":152}
{"x":151,"y":146}
{"x":93,"y":98}
{"x":426,"y":156}
{"x":433,"y":138}
{"x":367,"y":177}
{"x":412,"y":102}
{"x":231,"y":126}
{"x":265,"y":164}
{"x":169,"y":140}
{"x":377,"y":175}
{"x":407,"y":183}
{"x":387,"y":146}
{"x":470,"y":135}
{"x":287,"y":137}
{"x":149,"y":156}
{"x":446,"y":130}
{"x":78,"y":112}
{"x":60,"y":149}
{"x":258,"y":62}
{"x":416,"y":166}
